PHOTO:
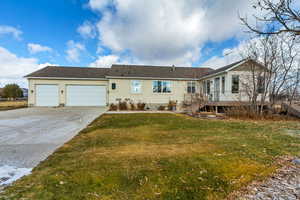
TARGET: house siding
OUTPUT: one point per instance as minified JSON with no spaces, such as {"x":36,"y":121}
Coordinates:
{"x":242,"y":96}
{"x":123,"y":91}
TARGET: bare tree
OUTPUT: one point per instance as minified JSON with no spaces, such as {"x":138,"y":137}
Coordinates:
{"x":272,"y":73}
{"x":294,"y":87}
{"x":193,"y":101}
{"x":261,"y":53}
{"x":282,"y":16}
{"x":284,"y":66}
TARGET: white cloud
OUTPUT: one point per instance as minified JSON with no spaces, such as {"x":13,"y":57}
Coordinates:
{"x":98,"y":4}
{"x":228,"y":56}
{"x":13,"y":68}
{"x":243,"y":50}
{"x":10,"y":30}
{"x":73,"y":51}
{"x":87,"y":30}
{"x":105,"y":61}
{"x":36,"y":48}
{"x":164,"y":31}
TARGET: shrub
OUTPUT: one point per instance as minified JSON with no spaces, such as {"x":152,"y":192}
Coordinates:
{"x":172,"y":105}
{"x":247,"y":112}
{"x":12,"y":91}
{"x":161,"y":108}
{"x":123,"y":105}
{"x":113,"y":107}
{"x":141,"y":106}
{"x":132,"y":106}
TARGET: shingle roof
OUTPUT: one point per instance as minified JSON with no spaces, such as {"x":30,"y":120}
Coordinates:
{"x":70,"y":72}
{"x":121,"y":71}
{"x":157,"y":71}
{"x":138,"y":71}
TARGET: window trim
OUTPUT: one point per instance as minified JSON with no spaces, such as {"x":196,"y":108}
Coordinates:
{"x":208,"y":87}
{"x":132,"y":87}
{"x":113,"y":86}
{"x":162,"y":83}
{"x":233,"y":91}
{"x":261,"y":84}
{"x":204,"y":87}
{"x":223,"y":84}
{"x":191,"y":84}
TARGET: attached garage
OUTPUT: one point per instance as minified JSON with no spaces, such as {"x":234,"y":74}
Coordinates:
{"x":68,"y":86}
{"x":47,"y":95}
{"x":85,"y":95}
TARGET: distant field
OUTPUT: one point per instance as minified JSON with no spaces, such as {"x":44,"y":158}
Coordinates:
{"x":9,"y":105}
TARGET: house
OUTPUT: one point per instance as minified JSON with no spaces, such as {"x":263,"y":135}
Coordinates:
{"x":234,"y":82}
{"x":1,"y":92}
{"x":153,"y":85}
{"x":25,"y":92}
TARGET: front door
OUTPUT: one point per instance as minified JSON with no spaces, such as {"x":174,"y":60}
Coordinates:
{"x":217,"y":89}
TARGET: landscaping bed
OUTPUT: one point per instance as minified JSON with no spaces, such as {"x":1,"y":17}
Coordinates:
{"x":159,"y":156}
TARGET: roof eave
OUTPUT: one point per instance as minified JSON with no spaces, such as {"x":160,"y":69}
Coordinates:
{"x":151,"y":78}
{"x":65,"y":78}
{"x":225,"y":71}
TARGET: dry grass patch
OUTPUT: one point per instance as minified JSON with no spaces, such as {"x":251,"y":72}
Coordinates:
{"x":150,"y":151}
{"x":10,"y":105}
{"x":159,"y":156}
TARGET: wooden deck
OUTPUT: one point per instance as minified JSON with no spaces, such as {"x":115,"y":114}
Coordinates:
{"x":229,"y":103}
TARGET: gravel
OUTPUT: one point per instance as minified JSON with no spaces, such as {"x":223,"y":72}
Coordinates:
{"x":284,"y":185}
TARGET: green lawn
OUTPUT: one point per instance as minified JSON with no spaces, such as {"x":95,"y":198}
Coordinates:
{"x":159,"y":156}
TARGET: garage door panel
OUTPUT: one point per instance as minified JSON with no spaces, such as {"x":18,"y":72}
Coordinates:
{"x":47,"y":95}
{"x":86,"y":95}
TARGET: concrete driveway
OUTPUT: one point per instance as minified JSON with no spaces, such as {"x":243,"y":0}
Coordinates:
{"x":28,"y":136}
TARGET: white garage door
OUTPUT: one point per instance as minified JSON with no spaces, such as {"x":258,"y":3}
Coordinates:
{"x":86,"y":95}
{"x":47,"y":95}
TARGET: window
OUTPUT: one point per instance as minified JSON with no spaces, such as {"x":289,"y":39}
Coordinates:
{"x":223,"y":84}
{"x":204,"y":87}
{"x":161,"y":86}
{"x":208,"y":86}
{"x":191,"y":87}
{"x":260,"y":85}
{"x":235,"y":84}
{"x":136,"y":86}
{"x":113,"y":86}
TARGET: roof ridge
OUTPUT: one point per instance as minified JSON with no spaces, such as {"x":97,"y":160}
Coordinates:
{"x":77,"y":67}
{"x":141,"y":65}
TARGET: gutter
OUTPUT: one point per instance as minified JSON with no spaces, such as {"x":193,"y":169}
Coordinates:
{"x":221,"y":72}
{"x":151,"y":78}
{"x":211,"y":75}
{"x":64,"y":78}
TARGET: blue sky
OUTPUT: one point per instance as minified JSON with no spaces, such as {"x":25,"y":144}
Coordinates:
{"x":97,"y":33}
{"x":50,"y":23}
